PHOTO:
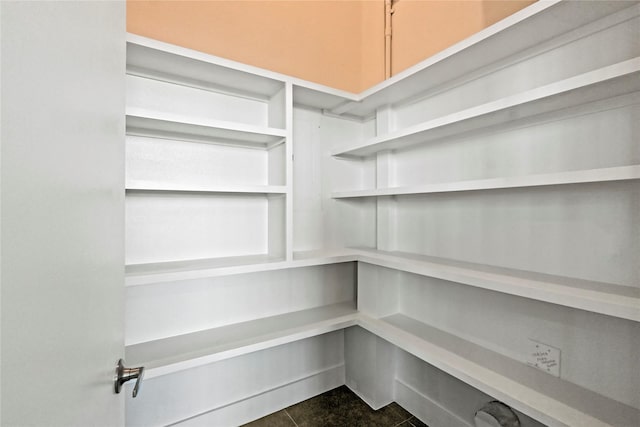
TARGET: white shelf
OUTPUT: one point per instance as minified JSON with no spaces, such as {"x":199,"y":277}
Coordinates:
{"x":604,"y":83}
{"x":141,"y":122}
{"x":153,"y":186}
{"x":164,"y":356}
{"x":146,"y":274}
{"x":163,"y":61}
{"x":604,"y":298}
{"x":546,"y":398}
{"x":621,"y":173}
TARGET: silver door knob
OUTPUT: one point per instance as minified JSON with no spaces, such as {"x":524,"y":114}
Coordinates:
{"x":125,"y":374}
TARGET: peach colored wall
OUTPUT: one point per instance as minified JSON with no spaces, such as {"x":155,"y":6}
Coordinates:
{"x":339,"y":43}
{"x":320,"y":41}
{"x":372,"y":49}
{"x":422,"y":28}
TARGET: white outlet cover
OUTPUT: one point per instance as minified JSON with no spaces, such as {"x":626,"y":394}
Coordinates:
{"x":544,"y":357}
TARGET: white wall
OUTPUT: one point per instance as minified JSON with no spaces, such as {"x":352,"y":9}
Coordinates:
{"x":319,"y":221}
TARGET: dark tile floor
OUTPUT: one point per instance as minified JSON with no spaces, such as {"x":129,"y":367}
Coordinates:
{"x":339,"y":407}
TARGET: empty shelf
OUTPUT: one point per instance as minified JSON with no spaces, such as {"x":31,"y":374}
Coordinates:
{"x":622,"y":173}
{"x":551,"y":400}
{"x":604,"y":83}
{"x":597,"y":297}
{"x":173,"y":354}
{"x":154,"y":59}
{"x":145,"y":274}
{"x":173,"y":126}
{"x":151,"y":186}
{"x":604,"y":298}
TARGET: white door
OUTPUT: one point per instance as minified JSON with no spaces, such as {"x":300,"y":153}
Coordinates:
{"x":62,"y":163}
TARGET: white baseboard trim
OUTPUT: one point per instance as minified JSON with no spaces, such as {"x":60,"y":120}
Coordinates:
{"x":426,"y":409}
{"x":265,"y":402}
{"x":366,"y":399}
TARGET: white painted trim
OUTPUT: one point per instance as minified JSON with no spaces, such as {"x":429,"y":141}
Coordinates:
{"x":365,"y":398}
{"x":288,"y":161}
{"x":424,"y":408}
{"x":336,"y":371}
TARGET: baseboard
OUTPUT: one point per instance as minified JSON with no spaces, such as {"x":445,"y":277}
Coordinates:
{"x":424,"y":408}
{"x":268,"y":401}
{"x":366,"y":399}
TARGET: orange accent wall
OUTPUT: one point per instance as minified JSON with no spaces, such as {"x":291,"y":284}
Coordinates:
{"x":320,"y":41}
{"x":338,"y":43}
{"x":372,"y":49}
{"x":422,"y":28}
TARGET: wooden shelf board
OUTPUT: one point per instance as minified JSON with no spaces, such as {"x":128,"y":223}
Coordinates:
{"x":621,"y":173}
{"x":146,"y":274}
{"x":142,"y":122}
{"x":604,"y":298}
{"x":173,"y":354}
{"x":153,"y":186}
{"x":551,"y":400}
{"x":604,"y":83}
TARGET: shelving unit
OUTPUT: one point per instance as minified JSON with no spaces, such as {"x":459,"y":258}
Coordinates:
{"x":173,"y":354}
{"x":179,"y":102}
{"x":548,"y":399}
{"x":577,"y":194}
{"x":621,"y":173}
{"x":210,"y":218}
{"x":605,"y":83}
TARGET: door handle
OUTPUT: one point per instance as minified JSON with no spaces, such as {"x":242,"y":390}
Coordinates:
{"x":125,"y":374}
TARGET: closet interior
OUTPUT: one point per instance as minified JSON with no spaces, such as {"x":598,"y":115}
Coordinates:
{"x":420,"y":242}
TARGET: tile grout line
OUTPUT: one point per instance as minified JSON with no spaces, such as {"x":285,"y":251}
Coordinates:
{"x":291,"y":418}
{"x":404,"y":421}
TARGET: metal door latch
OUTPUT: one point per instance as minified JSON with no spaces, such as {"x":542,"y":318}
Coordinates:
{"x":125,"y":374}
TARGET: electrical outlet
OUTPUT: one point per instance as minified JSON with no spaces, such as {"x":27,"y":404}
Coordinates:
{"x":544,"y":357}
